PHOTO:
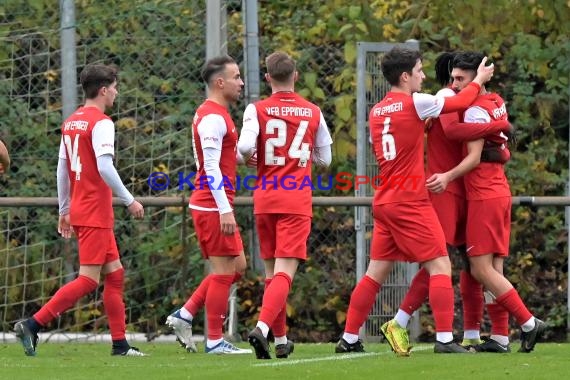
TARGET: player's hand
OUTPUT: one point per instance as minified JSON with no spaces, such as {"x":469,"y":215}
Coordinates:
{"x":136,"y":210}
{"x":511,"y":134}
{"x":252,"y":162}
{"x":484,"y":72}
{"x":228,"y":223}
{"x":438,"y":182}
{"x":64,"y":227}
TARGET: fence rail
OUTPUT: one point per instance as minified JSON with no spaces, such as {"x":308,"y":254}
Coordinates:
{"x":248,"y":201}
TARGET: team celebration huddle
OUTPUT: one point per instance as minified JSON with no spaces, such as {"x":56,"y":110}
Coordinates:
{"x":464,"y":205}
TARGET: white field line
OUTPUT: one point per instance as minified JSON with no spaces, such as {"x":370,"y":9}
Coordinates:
{"x":355,"y":355}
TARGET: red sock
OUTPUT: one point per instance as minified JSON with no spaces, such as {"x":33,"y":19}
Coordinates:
{"x":279,"y":327}
{"x":472,"y":299}
{"x":113,"y":303}
{"x":198,"y":298}
{"x":441,"y":300}
{"x":217,"y":303}
{"x":361,"y":302}
{"x":499,"y":317}
{"x":65,"y":298}
{"x":275,"y":298}
{"x":514,"y":305}
{"x":417,"y":293}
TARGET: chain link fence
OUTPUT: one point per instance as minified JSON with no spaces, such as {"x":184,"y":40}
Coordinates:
{"x":159,"y":49}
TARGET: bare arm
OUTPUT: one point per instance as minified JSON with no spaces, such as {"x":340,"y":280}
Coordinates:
{"x":438,"y":182}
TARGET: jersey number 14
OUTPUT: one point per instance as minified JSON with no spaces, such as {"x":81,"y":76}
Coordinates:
{"x":73,"y":154}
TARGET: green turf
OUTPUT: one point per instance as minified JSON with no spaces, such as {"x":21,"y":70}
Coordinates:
{"x":310,"y":361}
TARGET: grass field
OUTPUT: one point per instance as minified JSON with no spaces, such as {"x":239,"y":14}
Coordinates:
{"x":64,"y":361}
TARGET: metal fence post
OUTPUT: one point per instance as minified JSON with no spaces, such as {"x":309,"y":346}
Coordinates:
{"x":68,"y":58}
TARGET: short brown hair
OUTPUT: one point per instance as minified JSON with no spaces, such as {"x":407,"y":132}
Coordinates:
{"x":397,"y":61}
{"x":215,"y":66}
{"x":93,"y":77}
{"x":280,"y":66}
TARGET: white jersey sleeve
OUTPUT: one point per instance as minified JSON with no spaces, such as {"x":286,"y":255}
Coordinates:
{"x":212,"y":158}
{"x":247,"y":144}
{"x":322,"y":156}
{"x":103,"y":138}
{"x":211,"y":130}
{"x":427,"y":105}
{"x":63,"y":186}
{"x":323,"y":137}
{"x":111,"y":177}
{"x":476,"y":114}
{"x":445,"y":92}
{"x":62,"y":154}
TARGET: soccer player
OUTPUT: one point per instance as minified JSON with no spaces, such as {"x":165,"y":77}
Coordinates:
{"x":406,"y":227}
{"x":214,"y":141}
{"x":288,"y":134}
{"x":4,"y":158}
{"x":489,"y":221}
{"x":445,"y":168}
{"x":86,"y":181}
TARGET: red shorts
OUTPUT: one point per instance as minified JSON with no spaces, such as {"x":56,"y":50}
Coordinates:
{"x":489,"y":226}
{"x":210,"y":237}
{"x":407,"y":231}
{"x":97,"y":246}
{"x":451,"y":210}
{"x":283,"y":235}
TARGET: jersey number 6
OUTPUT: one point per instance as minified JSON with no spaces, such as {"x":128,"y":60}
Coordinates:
{"x":388,"y":142}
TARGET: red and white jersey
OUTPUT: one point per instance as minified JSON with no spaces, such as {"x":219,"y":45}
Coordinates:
{"x":442,"y":153}
{"x":87,"y":134}
{"x":288,"y":127}
{"x":488,"y":179}
{"x":213,"y":127}
{"x":397,"y":135}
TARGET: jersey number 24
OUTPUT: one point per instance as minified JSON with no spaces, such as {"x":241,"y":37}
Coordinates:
{"x":298,"y":148}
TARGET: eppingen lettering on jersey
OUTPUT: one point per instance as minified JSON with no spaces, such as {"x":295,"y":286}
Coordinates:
{"x":343,"y":181}
{"x":500,"y":112}
{"x":76,"y":125}
{"x":289,"y":111}
{"x":396,"y":107}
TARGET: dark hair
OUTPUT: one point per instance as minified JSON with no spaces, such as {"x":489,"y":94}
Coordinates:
{"x":397,"y":61}
{"x":443,"y":66}
{"x":93,"y":77}
{"x":215,"y":66}
{"x":467,"y":60}
{"x":280,"y":66}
